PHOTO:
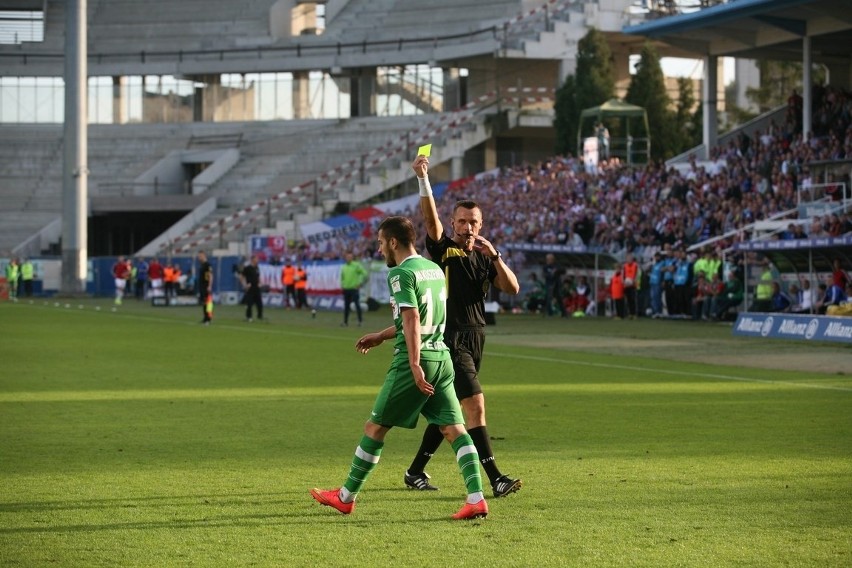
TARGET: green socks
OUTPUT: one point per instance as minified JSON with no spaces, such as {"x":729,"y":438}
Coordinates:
{"x":468,"y":461}
{"x":365,"y":460}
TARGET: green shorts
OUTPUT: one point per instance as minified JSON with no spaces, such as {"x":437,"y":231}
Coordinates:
{"x":400,"y":402}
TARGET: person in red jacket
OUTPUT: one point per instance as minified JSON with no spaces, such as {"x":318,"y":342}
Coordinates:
{"x":120,"y":274}
{"x":155,"y":277}
{"x":838,"y":275}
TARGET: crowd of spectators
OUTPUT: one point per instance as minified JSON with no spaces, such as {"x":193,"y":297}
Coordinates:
{"x":618,"y":207}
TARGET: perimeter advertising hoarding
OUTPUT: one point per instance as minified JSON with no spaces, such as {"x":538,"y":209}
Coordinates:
{"x":788,"y":326}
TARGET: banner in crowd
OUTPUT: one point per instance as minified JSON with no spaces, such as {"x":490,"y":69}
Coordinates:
{"x":323,"y":276}
{"x":324,"y":283}
{"x":328,"y":295}
{"x":360,"y":222}
{"x":789,"y":326}
{"x":267,"y":247}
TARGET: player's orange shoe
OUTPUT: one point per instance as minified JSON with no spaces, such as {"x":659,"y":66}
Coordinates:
{"x":331,"y":498}
{"x":472,"y":511}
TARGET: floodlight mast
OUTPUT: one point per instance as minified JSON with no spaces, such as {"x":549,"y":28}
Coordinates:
{"x":75,"y":172}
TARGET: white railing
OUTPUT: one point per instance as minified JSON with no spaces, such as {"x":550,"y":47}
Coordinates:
{"x":824,"y":195}
{"x":738,"y":233}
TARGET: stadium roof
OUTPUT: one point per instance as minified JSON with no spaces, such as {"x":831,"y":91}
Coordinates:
{"x":759,"y":29}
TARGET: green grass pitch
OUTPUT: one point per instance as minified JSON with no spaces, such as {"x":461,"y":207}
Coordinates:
{"x":140,"y":438}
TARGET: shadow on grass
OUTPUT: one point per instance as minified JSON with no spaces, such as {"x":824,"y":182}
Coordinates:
{"x":295,"y":515}
{"x":73,"y":505}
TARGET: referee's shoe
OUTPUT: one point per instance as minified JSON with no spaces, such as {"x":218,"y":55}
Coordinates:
{"x":505,"y":485}
{"x":419,"y":481}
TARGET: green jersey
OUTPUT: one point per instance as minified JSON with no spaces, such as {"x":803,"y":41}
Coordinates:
{"x":419,"y":283}
{"x":27,"y":270}
{"x":352,"y":275}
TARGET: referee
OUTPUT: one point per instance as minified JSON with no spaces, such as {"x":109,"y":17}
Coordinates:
{"x":251,"y":283}
{"x":471,"y":265}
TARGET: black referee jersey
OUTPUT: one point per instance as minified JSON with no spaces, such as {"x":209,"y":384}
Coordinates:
{"x":469,"y":276}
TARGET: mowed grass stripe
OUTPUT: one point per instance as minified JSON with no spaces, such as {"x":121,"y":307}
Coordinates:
{"x":643,"y":387}
{"x":668,"y":371}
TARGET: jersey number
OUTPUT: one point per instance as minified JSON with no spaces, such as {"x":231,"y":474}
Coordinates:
{"x":428,"y":300}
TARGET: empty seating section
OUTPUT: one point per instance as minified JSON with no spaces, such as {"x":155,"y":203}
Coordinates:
{"x":124,"y":25}
{"x":401,"y":19}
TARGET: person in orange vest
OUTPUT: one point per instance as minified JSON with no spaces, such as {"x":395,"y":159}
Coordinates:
{"x":616,"y":292}
{"x":179,"y":279}
{"x":170,"y":279}
{"x":301,"y":286}
{"x":631,"y":284}
{"x":288,"y":280}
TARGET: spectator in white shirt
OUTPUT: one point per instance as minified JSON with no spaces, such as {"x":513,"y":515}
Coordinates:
{"x":803,"y":298}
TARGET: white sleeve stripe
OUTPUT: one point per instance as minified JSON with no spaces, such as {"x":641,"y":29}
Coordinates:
{"x":465,"y":450}
{"x":361,"y":454}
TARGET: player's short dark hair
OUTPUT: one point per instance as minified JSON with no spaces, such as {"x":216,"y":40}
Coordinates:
{"x":467,"y":204}
{"x":399,"y":228}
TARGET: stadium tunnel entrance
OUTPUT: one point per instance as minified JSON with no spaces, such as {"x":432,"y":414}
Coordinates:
{"x":122,"y":226}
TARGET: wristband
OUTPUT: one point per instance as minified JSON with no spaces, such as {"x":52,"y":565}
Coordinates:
{"x":425,"y":186}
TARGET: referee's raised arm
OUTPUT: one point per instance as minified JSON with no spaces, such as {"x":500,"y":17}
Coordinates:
{"x":434,"y":228}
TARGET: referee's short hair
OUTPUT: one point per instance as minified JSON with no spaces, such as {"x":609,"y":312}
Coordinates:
{"x":399,"y":228}
{"x":467,"y":204}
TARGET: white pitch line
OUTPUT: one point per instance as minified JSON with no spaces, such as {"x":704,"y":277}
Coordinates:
{"x":668,"y":371}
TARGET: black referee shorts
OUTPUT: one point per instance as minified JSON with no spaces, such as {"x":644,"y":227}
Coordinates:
{"x":466,"y":350}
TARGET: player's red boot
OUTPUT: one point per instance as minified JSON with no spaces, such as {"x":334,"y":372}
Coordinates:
{"x":331,"y":498}
{"x":472,"y":511}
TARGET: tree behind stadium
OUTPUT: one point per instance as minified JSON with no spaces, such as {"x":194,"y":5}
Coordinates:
{"x":688,"y":117}
{"x":591,"y":85}
{"x":648,"y":90}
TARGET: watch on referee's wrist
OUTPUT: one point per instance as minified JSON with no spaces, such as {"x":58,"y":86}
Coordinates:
{"x":497,"y":254}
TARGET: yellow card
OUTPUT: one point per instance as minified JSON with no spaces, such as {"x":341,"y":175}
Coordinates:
{"x":425,"y":150}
